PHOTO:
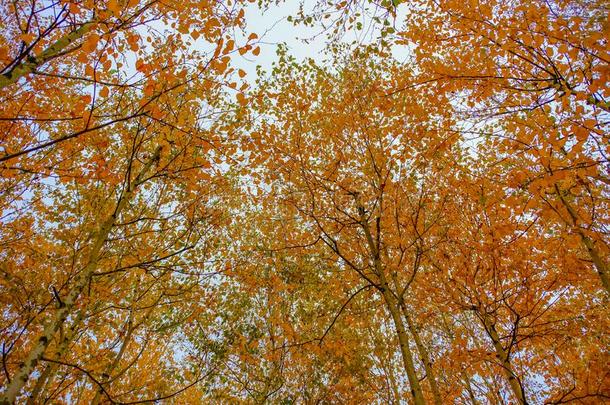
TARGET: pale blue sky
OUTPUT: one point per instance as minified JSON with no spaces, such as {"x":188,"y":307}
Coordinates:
{"x":273,"y":28}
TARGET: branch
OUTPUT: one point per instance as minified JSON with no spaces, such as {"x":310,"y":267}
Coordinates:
{"x":341,"y":310}
{"x":86,"y":372}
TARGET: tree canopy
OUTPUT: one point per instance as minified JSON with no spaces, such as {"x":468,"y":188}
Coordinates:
{"x":420,"y":214}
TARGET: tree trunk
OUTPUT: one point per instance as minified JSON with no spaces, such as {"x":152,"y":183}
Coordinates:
{"x":405,"y":350}
{"x":393,"y":307}
{"x":385,"y":364}
{"x":50,"y":369}
{"x":423,"y":354}
{"x":473,"y":398}
{"x":600,"y":265}
{"x":502,"y":355}
{"x":393,"y":385}
{"x":29,"y":66}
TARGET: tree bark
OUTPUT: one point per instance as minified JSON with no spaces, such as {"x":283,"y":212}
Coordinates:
{"x":50,"y":369}
{"x":600,"y":265}
{"x":502,"y":355}
{"x":59,"y":46}
{"x":392,"y":306}
{"x":424,"y":355}
{"x":403,"y":339}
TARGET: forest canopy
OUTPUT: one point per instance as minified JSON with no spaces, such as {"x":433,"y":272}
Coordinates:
{"x":399,"y":202}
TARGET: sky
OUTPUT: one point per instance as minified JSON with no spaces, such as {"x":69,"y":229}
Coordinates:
{"x":273,"y":28}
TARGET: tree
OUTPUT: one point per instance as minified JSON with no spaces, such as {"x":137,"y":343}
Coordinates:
{"x":536,"y":71}
{"x":134,"y":228}
{"x":119,"y":184}
{"x":362,"y":180}
{"x":419,"y":216}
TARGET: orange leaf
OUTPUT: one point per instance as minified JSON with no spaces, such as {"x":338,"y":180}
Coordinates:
{"x":241,"y":99}
{"x":113,"y":6}
{"x":27,"y":38}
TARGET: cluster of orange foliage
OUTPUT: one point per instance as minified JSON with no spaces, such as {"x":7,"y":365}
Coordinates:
{"x":422,"y":218}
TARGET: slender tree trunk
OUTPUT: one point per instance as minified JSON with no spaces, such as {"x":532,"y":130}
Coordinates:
{"x":26,"y":368}
{"x":493,"y":391}
{"x":464,"y":376}
{"x":423,"y":354}
{"x":393,"y":385}
{"x":502,"y":355}
{"x":393,"y":307}
{"x":600,"y":265}
{"x":49,"y":371}
{"x":403,"y":339}
{"x":108,"y":372}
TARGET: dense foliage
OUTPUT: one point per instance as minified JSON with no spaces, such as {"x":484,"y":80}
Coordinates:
{"x":420,"y":216}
